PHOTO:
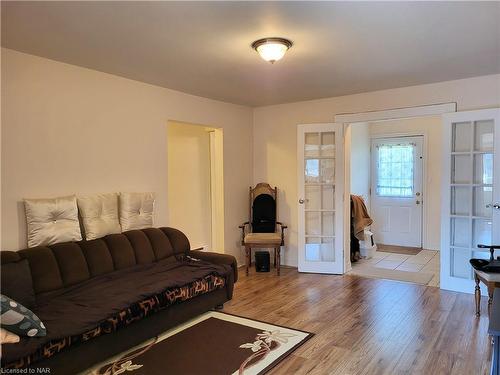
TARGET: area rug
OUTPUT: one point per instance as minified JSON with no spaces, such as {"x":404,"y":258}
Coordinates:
{"x":366,"y":270}
{"x":213,"y":343}
{"x":398,"y":249}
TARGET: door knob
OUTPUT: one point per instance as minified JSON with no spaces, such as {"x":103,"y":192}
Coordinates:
{"x":496,"y":206}
{"x":301,"y":201}
{"x":417,"y":202}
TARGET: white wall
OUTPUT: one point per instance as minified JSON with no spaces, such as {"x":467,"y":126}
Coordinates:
{"x":360,"y":160}
{"x":189,"y":201}
{"x":431,"y":128}
{"x":275,"y":140}
{"x":67,"y":129}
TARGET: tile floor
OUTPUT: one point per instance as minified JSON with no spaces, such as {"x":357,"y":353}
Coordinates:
{"x":425,"y":261}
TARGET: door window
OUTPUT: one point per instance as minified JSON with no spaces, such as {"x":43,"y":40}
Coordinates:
{"x":395,"y":170}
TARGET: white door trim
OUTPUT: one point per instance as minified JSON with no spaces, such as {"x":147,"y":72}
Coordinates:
{"x":420,"y":139}
{"x":390,"y":114}
{"x":397,"y":113}
{"x":425,"y":153}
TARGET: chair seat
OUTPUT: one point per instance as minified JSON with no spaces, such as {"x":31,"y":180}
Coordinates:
{"x":263,"y":238}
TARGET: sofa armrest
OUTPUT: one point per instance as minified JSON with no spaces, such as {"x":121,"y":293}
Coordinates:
{"x":217,"y":258}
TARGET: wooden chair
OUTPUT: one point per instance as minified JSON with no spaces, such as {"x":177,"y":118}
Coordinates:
{"x":263,"y":231}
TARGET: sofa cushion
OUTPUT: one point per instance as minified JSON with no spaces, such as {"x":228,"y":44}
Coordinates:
{"x":161,"y":244}
{"x":18,"y":319}
{"x":99,"y":215}
{"x":72,"y":264}
{"x":136,"y":210}
{"x":179,"y":241}
{"x":142,"y":247}
{"x":44,"y":269}
{"x":121,"y":251}
{"x":52,"y":220}
{"x":110,"y":302}
{"x":17,"y":282}
{"x":98,"y":257}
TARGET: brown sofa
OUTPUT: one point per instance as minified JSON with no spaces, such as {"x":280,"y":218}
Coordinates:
{"x":101,"y":297}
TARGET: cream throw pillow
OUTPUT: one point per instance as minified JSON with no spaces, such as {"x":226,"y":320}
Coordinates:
{"x":7,"y":337}
{"x":99,"y":215}
{"x":136,"y":210}
{"x":52,"y":221}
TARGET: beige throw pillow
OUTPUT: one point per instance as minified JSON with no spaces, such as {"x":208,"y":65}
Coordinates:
{"x":52,"y":221}
{"x":99,"y":215}
{"x":136,"y":210}
{"x":7,"y":337}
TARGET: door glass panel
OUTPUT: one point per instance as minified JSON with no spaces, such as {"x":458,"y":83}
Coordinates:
{"x":327,"y":171}
{"x":395,"y":170}
{"x":461,"y":134}
{"x":313,"y":197}
{"x":460,"y":202}
{"x":483,"y":196}
{"x":319,"y":197}
{"x":311,"y":147}
{"x":327,"y":222}
{"x":483,"y":135}
{"x":460,"y":232}
{"x":460,"y":169}
{"x":328,"y":197}
{"x":312,"y":171}
{"x":313,"y":226}
{"x":483,"y":169}
{"x":482,"y":230}
{"x":313,"y":249}
{"x":328,"y":144}
{"x":460,"y":263}
{"x":481,"y":254}
{"x":328,"y":249}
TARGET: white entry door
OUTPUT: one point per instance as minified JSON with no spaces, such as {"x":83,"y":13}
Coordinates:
{"x":471,"y":193}
{"x":320,"y":201}
{"x":396,"y":191}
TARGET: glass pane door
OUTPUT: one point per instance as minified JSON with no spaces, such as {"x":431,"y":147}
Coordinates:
{"x":471,"y":191}
{"x":319,"y":245}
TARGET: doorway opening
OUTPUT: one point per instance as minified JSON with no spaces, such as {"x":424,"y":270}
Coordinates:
{"x":394,"y":167}
{"x":196,"y":183}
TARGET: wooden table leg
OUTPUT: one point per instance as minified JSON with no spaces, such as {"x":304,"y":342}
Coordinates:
{"x":277,"y":251}
{"x":477,"y":296}
{"x":491,"y":289}
{"x":248,"y":253}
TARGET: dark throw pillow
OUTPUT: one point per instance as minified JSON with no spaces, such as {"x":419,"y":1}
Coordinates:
{"x":20,"y":320}
{"x":17,"y":282}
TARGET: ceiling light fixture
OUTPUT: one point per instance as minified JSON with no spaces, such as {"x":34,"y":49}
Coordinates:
{"x":272,"y":49}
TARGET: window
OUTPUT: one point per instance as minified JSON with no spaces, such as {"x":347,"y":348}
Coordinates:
{"x":395,"y":170}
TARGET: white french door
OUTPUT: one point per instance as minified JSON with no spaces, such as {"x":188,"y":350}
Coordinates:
{"x":471,"y":193}
{"x":320,"y":202}
{"x":396,"y":190}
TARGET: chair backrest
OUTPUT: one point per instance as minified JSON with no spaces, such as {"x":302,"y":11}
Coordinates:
{"x":263,"y":208}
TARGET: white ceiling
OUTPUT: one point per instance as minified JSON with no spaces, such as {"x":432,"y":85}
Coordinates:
{"x":203,"y":48}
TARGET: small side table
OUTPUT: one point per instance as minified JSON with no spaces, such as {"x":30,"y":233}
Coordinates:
{"x":491,"y":280}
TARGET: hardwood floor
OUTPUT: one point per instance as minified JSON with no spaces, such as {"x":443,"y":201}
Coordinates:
{"x":368,"y":326}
